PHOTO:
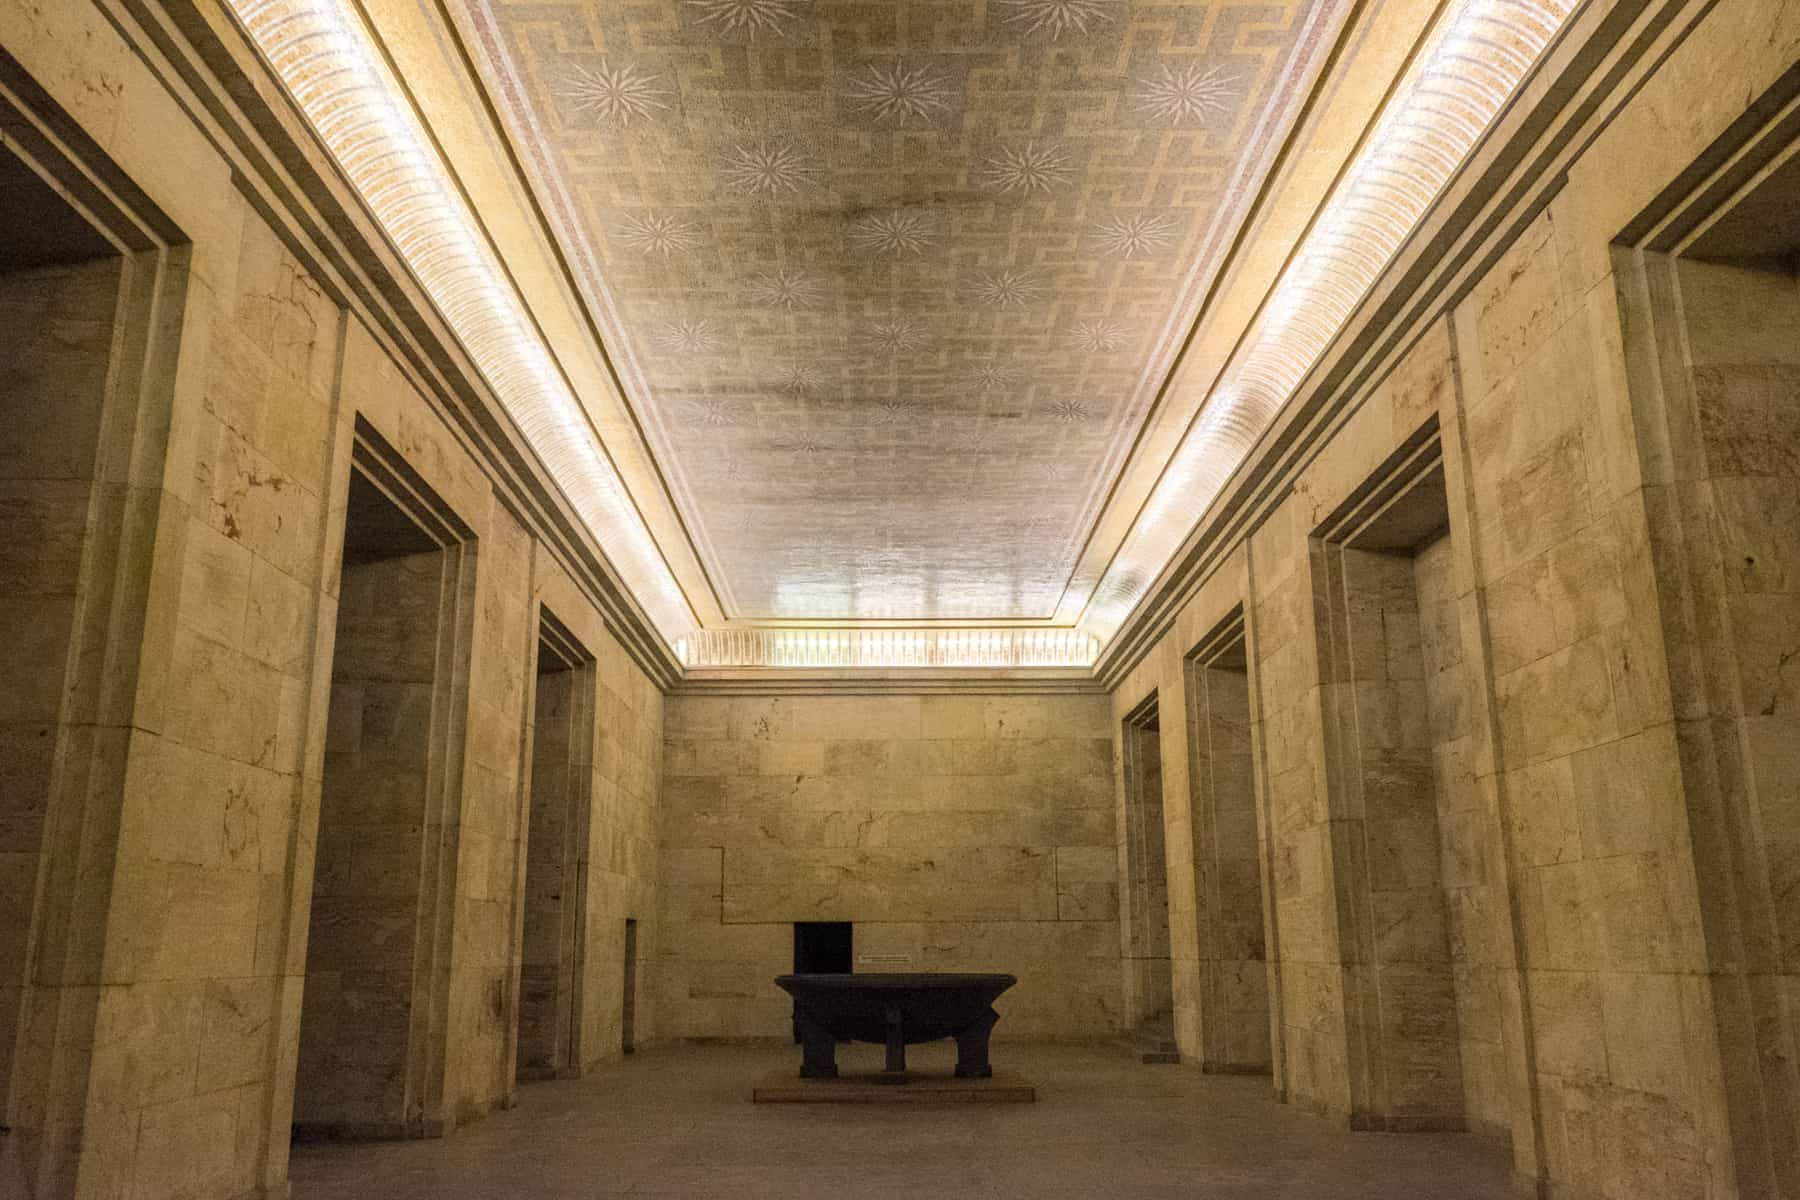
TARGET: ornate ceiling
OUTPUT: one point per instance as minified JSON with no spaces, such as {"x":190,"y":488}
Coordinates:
{"x":892,"y":286}
{"x":889,"y":293}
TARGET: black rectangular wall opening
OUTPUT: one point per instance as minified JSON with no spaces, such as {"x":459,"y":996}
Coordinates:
{"x":822,"y":948}
{"x":628,"y":1007}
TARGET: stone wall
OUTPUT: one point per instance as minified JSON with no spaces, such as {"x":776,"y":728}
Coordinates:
{"x":1232,"y":1009}
{"x":1473,"y":903}
{"x":956,"y":832}
{"x":356,"y":1014}
{"x":617,"y":855}
{"x":547,"y":943}
{"x":168,"y":936}
{"x":1603,"y":635}
{"x":1144,"y":894}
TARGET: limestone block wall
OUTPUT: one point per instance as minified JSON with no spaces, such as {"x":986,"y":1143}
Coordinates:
{"x":546,"y":944}
{"x":1231,"y":940}
{"x":1474,"y":904}
{"x":1144,"y":894}
{"x":1714,"y":393}
{"x":356,"y":1014}
{"x":165,"y":972}
{"x":1602,"y":633}
{"x":958,"y":832}
{"x":618,"y":861}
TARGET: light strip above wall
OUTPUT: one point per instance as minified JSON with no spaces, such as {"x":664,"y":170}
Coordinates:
{"x":1477,"y":57}
{"x":885,"y":648}
{"x":331,"y":67}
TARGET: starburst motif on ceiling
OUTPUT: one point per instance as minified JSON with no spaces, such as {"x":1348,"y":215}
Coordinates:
{"x":895,"y":335}
{"x":708,"y":412}
{"x":1134,"y":235}
{"x":805,"y":444}
{"x":1184,"y":95}
{"x":785,"y":287}
{"x":746,"y":18}
{"x":1007,"y":289}
{"x":766,"y":169}
{"x":659,"y":233}
{"x":617,"y":95}
{"x":1098,"y":337}
{"x":899,"y":232}
{"x":689,"y":336}
{"x":897,"y":92}
{"x":894,"y":409}
{"x":1057,"y":17}
{"x":990,"y":376}
{"x":1070,"y":411}
{"x":1029,"y":167}
{"x":800,"y":379}
{"x":980,"y":440}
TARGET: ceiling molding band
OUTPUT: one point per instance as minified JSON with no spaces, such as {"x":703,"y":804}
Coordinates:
{"x":329,"y":64}
{"x":1478,"y":57}
{"x":887,"y":648}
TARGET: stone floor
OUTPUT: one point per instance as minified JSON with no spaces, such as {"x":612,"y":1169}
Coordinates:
{"x":677,"y":1121}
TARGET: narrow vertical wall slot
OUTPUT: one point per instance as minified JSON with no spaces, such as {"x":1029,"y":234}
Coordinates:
{"x":1144,"y":900}
{"x":553,"y":939}
{"x":628,"y":1003}
{"x":1233,"y":1001}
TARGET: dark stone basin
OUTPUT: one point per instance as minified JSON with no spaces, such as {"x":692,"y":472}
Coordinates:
{"x":895,"y":1010}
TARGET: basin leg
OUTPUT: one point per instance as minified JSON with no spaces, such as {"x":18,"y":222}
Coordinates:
{"x":818,"y":1050}
{"x":972,"y":1048}
{"x":896,"y":1049}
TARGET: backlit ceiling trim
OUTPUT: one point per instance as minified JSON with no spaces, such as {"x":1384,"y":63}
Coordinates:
{"x":330,"y":65}
{"x":1476,"y":60}
{"x":887,"y":648}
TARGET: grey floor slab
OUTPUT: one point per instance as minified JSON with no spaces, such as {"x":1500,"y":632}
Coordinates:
{"x":677,"y":1121}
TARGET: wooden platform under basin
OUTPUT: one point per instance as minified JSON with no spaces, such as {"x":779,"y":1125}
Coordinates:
{"x":785,"y":1087}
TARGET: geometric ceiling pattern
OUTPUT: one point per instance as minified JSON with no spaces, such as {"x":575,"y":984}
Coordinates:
{"x":911,"y":309}
{"x":892,"y":287}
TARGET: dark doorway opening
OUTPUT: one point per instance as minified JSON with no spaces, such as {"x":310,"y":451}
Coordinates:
{"x":366,"y":1013}
{"x":628,"y":1007}
{"x":822,"y":948}
{"x":60,"y":306}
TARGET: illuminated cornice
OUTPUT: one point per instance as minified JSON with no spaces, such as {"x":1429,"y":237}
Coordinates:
{"x":1476,"y":59}
{"x":337,"y":76}
{"x":887,"y":648}
{"x":331,"y":67}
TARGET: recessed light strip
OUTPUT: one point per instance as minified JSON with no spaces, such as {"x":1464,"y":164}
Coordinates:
{"x":887,"y":648}
{"x":330,"y":66}
{"x":1477,"y":58}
